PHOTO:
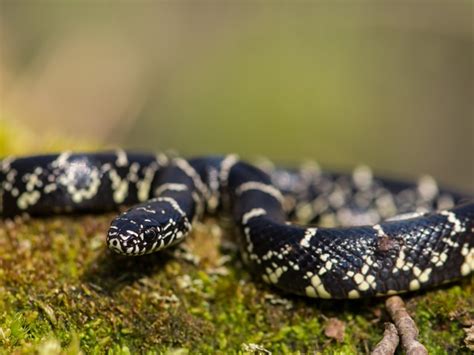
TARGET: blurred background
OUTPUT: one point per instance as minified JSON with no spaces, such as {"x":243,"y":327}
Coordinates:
{"x":389,"y":84}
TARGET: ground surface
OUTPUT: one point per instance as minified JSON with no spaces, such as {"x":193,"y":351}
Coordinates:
{"x":60,"y":288}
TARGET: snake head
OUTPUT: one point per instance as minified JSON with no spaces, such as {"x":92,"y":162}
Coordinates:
{"x":147,"y":228}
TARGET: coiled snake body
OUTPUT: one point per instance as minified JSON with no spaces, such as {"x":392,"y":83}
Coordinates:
{"x":367,"y":243}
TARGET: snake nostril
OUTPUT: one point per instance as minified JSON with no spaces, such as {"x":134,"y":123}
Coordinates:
{"x":116,"y":245}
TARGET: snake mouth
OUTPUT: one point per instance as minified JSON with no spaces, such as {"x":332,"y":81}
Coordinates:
{"x":132,"y":243}
{"x":131,"y":247}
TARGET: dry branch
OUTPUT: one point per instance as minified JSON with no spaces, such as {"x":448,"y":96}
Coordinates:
{"x":389,"y":342}
{"x":405,"y":325}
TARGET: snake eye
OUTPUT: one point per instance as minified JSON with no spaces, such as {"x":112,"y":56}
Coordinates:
{"x":150,"y":232}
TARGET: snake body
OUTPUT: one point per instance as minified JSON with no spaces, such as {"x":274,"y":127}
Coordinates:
{"x":375,"y":236}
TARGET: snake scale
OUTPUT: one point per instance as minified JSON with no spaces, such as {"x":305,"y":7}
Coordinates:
{"x":373,"y":236}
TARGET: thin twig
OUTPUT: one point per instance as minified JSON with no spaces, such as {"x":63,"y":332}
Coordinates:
{"x":389,"y":342}
{"x":405,"y":325}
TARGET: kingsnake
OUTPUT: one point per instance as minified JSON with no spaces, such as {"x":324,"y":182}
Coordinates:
{"x":375,"y":236}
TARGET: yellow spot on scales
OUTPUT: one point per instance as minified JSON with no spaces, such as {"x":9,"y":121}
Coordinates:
{"x":414,"y":285}
{"x":28,"y":199}
{"x":353,"y":294}
{"x":468,"y":264}
{"x":317,"y":288}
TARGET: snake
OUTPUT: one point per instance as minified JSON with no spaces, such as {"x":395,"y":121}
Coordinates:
{"x":304,"y":230}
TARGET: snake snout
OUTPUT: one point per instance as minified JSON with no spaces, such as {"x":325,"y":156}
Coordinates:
{"x":125,"y":237}
{"x":134,"y":236}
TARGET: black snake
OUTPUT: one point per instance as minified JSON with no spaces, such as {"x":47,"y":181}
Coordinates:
{"x":375,"y":236}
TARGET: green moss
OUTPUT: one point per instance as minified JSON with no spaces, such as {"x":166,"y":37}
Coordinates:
{"x":440,"y":315}
{"x":60,"y":289}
